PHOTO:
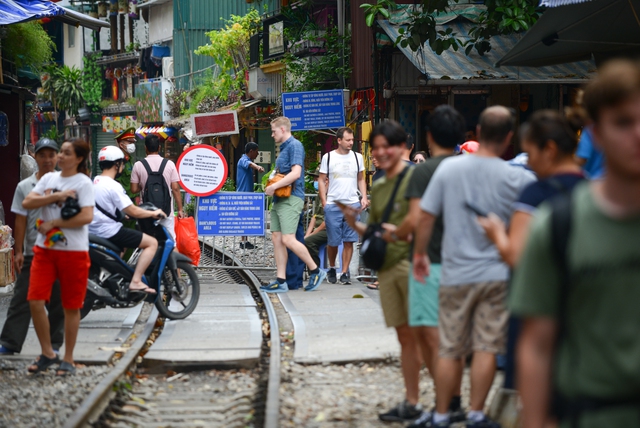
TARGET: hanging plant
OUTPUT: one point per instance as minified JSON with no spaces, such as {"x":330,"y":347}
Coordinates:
{"x":28,"y":45}
{"x":92,"y":82}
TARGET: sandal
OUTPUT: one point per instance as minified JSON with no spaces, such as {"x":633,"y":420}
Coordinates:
{"x":373,"y":286}
{"x":65,"y":369}
{"x":42,"y":363}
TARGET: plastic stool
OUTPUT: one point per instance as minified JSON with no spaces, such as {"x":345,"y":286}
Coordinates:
{"x":322,"y":254}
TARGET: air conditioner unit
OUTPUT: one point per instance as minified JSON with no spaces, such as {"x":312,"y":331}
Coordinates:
{"x":167,"y":67}
{"x":260,"y":84}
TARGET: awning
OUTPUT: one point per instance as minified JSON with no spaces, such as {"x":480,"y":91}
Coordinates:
{"x":152,"y":3}
{"x":574,"y":32}
{"x":160,"y":131}
{"x":15,"y":11}
{"x":453,"y":67}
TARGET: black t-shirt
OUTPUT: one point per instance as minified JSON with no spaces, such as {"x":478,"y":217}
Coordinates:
{"x":540,"y":191}
{"x":422,"y":174}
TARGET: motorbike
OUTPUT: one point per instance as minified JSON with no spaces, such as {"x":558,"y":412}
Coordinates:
{"x":170,"y":273}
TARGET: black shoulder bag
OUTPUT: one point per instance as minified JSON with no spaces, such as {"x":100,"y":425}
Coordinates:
{"x":374,"y":248}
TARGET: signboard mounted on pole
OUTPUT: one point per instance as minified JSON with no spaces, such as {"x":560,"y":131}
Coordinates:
{"x":202,"y":170}
{"x":231,"y":214}
{"x":215,"y":124}
{"x":314,"y":109}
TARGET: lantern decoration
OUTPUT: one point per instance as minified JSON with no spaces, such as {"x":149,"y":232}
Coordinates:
{"x":117,"y":73}
{"x":108,"y":74}
{"x":4,"y":129}
{"x":123,"y":6}
{"x":133,"y":9}
{"x":114,"y":90}
{"x":113,"y":7}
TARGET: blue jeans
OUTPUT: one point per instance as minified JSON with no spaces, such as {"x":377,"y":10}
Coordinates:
{"x":295,"y":266}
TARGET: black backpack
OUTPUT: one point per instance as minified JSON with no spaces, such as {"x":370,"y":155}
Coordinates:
{"x":156,"y":190}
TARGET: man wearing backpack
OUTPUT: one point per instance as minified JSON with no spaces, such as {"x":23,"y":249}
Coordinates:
{"x":157,"y":181}
{"x":577,"y":285}
{"x":344,"y":169}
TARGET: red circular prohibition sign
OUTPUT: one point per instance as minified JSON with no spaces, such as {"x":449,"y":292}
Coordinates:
{"x":224,"y":164}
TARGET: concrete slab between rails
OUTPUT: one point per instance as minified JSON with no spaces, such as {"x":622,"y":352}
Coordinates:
{"x":101,"y":333}
{"x":331,"y":326}
{"x":225,"y":330}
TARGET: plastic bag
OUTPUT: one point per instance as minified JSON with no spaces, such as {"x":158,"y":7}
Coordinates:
{"x":187,"y":239}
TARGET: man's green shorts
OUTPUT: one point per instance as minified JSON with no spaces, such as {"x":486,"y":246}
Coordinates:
{"x":423,"y":299}
{"x":285,"y":215}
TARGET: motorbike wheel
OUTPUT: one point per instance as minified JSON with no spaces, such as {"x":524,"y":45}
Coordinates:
{"x":179,"y":300}
{"x":89,"y":300}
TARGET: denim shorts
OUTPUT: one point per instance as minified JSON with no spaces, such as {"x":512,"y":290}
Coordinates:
{"x":338,"y":231}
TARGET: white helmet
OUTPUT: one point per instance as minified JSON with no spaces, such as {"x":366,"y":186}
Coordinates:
{"x":110,"y":153}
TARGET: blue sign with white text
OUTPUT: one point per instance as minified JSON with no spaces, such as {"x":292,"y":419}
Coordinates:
{"x":231,"y":214}
{"x":314,"y":110}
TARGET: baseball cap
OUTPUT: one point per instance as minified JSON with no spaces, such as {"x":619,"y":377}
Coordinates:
{"x":46,"y":143}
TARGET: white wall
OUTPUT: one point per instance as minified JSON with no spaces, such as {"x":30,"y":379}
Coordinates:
{"x":72,"y":45}
{"x":161,"y":23}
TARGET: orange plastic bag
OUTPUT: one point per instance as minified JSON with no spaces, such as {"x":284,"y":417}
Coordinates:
{"x":187,"y":238}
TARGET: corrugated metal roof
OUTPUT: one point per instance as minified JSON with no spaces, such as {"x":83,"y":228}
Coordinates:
{"x":457,"y":66}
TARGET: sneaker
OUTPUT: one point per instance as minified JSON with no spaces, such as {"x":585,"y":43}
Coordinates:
{"x":484,"y":423}
{"x":315,"y":279}
{"x":457,"y":415}
{"x":345,"y":278}
{"x":275,"y":287}
{"x":247,"y":245}
{"x":426,"y":421}
{"x":331,"y":276}
{"x":6,"y":351}
{"x":403,"y":412}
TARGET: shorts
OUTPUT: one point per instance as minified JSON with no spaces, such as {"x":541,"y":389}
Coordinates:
{"x":423,"y":298}
{"x":338,"y":231}
{"x":285,"y":215}
{"x":393,"y":286}
{"x":169,"y":223}
{"x":473,"y":317}
{"x":71,"y":268}
{"x":126,"y":238}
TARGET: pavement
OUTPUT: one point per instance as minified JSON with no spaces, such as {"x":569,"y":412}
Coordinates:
{"x":101,"y":333}
{"x":339,"y":323}
{"x":224,"y":330}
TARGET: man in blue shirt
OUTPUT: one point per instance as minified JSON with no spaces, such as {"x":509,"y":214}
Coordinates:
{"x":589,"y":156}
{"x":244,"y":175}
{"x":244,"y":178}
{"x":285,"y":213}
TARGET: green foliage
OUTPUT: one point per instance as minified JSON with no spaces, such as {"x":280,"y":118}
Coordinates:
{"x":92,"y":82}
{"x":53,"y":134}
{"x":190,"y":208}
{"x":177,"y":101}
{"x":327,"y":71}
{"x":68,"y":88}
{"x":229,"y":49}
{"x":28,"y":45}
{"x":63,"y":86}
{"x":500,"y":17}
{"x":229,"y":185}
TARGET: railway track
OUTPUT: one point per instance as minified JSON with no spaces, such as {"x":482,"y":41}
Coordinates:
{"x":188,"y":397}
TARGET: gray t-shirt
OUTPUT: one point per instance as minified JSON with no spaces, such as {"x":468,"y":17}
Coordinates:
{"x":24,"y":188}
{"x":468,"y":256}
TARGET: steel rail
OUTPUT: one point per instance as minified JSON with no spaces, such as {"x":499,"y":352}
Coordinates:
{"x":92,"y":403}
{"x":272,"y":405}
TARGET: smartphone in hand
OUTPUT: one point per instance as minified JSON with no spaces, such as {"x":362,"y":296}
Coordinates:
{"x":476,"y":209}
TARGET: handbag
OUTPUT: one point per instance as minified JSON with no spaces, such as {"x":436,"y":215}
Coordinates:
{"x":71,"y":208}
{"x":283,"y":192}
{"x":374,"y":248}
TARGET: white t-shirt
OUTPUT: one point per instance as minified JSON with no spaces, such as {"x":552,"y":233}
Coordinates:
{"x":77,"y":237}
{"x":110,"y":195}
{"x":343,"y":176}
